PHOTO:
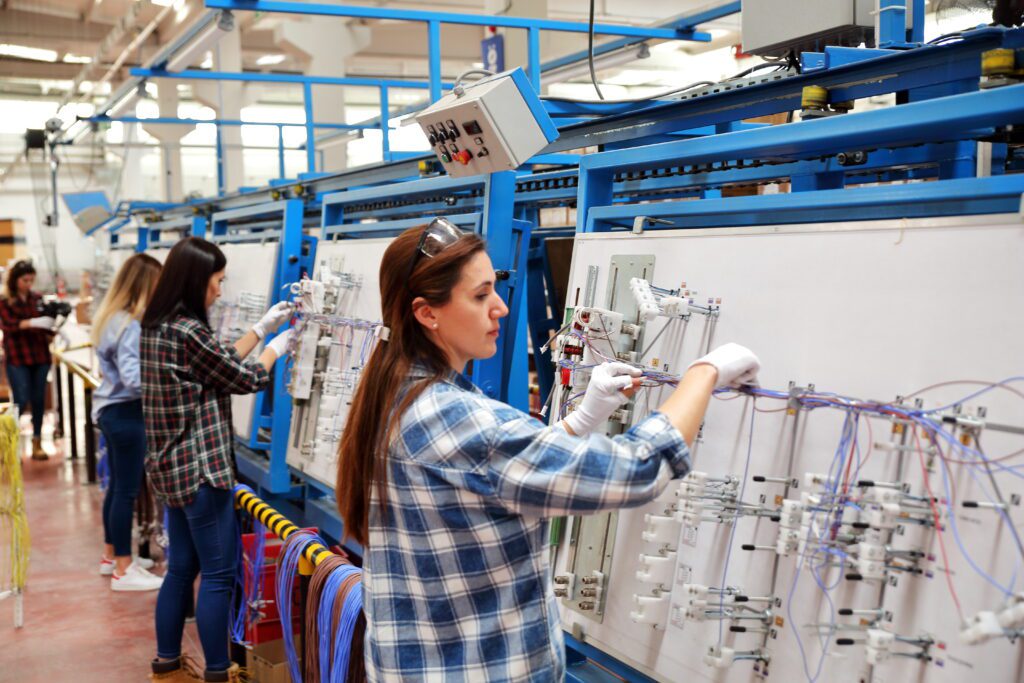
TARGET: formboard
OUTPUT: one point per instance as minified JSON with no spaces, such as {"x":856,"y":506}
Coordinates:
{"x":872,"y":310}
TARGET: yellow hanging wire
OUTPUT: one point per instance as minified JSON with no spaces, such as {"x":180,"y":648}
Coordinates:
{"x":12,"y":501}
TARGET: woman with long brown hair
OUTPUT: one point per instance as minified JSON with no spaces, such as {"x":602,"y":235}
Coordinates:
{"x":449,"y":491}
{"x":117,"y":409}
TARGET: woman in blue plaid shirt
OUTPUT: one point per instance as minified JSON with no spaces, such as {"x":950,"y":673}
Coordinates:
{"x":449,"y":491}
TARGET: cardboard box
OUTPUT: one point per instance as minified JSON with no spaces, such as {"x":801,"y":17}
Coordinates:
{"x":267,"y":663}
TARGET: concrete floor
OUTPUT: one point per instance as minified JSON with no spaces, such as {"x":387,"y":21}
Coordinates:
{"x":76,"y":628}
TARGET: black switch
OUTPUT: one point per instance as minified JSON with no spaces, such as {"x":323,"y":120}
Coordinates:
{"x":453,"y":129}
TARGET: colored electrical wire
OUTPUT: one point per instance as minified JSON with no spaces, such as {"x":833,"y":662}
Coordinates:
{"x":12,"y":503}
{"x":286,"y":573}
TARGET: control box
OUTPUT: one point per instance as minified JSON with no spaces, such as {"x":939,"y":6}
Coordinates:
{"x":776,"y":27}
{"x":494,"y":124}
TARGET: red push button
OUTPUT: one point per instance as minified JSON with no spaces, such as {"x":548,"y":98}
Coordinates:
{"x":464,"y":156}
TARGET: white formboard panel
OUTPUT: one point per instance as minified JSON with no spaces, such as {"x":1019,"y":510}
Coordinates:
{"x":361,"y":260}
{"x":872,"y":310}
{"x":250,"y":270}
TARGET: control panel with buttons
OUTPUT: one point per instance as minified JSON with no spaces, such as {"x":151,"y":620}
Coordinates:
{"x":495,"y":124}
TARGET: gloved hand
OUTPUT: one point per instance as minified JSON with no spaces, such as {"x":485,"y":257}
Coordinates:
{"x":736,"y":365}
{"x":43,"y":322}
{"x":279,"y":344}
{"x":604,"y":396}
{"x":278,"y":315}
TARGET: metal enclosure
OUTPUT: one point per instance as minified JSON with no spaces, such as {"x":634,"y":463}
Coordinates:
{"x":776,"y":27}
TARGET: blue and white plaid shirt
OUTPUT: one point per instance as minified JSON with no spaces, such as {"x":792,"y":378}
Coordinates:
{"x":456,"y":578}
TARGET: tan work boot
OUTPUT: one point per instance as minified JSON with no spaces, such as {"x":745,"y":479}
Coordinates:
{"x":232,"y":675}
{"x":180,"y":670}
{"x":37,"y":449}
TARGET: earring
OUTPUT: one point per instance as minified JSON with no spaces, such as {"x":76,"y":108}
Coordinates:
{"x":435,"y":326}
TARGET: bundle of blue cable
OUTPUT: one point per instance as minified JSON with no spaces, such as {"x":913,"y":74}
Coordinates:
{"x":335,"y":598}
{"x":246,"y":599}
{"x":286,"y":572}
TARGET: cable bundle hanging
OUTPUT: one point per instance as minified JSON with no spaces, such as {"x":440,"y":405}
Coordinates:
{"x":248,"y":596}
{"x":335,"y":598}
{"x":12,"y":513}
{"x":286,"y":571}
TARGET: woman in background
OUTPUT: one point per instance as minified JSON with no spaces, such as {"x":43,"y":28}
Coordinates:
{"x":117,"y":409}
{"x":27,"y":335}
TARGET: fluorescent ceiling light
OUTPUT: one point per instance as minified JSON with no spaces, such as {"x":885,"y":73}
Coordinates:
{"x":163,"y":3}
{"x":76,"y":59}
{"x":270,"y":60}
{"x":25,"y":52}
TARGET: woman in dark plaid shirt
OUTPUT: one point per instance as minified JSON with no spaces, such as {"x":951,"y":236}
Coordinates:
{"x":27,"y":335}
{"x":188,"y":377}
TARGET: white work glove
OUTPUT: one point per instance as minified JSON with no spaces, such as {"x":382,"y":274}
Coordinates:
{"x":43,"y":322}
{"x":736,"y":365}
{"x":279,"y":344}
{"x":278,"y":315}
{"x":604,"y":396}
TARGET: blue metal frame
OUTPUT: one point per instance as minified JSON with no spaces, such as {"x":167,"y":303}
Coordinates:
{"x":955,"y":117}
{"x":507,"y":242}
{"x":434,"y":21}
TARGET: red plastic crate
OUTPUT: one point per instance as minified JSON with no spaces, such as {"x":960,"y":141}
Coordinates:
{"x":268,"y":626}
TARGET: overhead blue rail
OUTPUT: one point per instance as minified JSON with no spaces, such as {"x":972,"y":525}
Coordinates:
{"x":384,"y":85}
{"x":969,"y":116}
{"x":434,"y":21}
{"x":687,"y":22}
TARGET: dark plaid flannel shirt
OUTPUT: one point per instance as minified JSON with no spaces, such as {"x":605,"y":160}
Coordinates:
{"x":23,"y":347}
{"x":188,"y":377}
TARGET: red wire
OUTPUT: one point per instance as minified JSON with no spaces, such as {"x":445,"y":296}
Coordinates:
{"x":938,"y":532}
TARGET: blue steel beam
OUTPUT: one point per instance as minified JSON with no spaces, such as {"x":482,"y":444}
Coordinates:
{"x":225,"y":122}
{"x":956,"y":63}
{"x":956,"y":117}
{"x":688,"y":22}
{"x":964,"y":196}
{"x":357,"y":12}
{"x":261,"y":77}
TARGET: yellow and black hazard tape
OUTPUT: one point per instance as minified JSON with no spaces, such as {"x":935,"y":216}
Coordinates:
{"x":278,"y":524}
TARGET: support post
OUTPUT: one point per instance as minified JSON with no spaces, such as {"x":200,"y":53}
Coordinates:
{"x":434,"y":57}
{"x":72,"y":427}
{"x":90,"y":438}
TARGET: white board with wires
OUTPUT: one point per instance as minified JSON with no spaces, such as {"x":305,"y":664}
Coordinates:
{"x":338,"y":320}
{"x":245,"y":297}
{"x":803,"y":547}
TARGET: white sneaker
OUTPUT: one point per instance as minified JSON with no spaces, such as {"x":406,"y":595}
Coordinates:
{"x":143,"y":562}
{"x":135,"y":578}
{"x":107,"y":566}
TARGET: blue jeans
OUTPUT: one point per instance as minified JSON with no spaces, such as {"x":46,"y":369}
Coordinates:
{"x":203,"y":539}
{"x":28,"y":384}
{"x":125,"y":432}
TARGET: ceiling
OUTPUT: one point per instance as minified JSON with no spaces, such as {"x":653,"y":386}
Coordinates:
{"x":102,"y":31}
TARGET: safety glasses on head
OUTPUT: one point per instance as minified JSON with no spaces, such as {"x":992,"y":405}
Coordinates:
{"x":439,"y":235}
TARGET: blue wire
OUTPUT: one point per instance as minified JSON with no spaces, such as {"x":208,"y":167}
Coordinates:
{"x":324,"y":619}
{"x":286,"y":572}
{"x":956,"y":534}
{"x":346,"y":628}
